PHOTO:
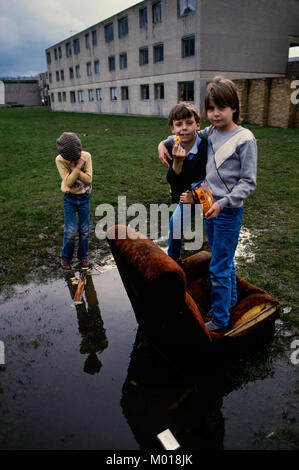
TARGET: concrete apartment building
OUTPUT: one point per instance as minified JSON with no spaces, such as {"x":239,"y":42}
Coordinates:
{"x":146,"y":58}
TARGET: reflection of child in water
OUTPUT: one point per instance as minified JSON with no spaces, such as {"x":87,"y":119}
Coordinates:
{"x":91,"y":326}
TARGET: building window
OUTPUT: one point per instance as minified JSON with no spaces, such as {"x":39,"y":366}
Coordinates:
{"x":123,"y":63}
{"x":111,"y":63}
{"x":76,"y":46}
{"x":52,"y":97}
{"x":48,"y":58}
{"x":113,"y":94}
{"x":55,"y":54}
{"x":68,"y":49}
{"x":80,"y":96}
{"x":186,"y":6}
{"x":143,"y":56}
{"x":72,"y":97}
{"x":87,"y":41}
{"x":159,"y":91}
{"x":59,"y":52}
{"x":78,"y":74}
{"x":186,"y":91}
{"x":124,"y":93}
{"x":157,"y":12}
{"x":61,"y":74}
{"x":88,"y":69}
{"x":63,"y":96}
{"x":188,"y":46}
{"x":96,"y":67}
{"x":99,"y":94}
{"x":57,"y":76}
{"x":143,"y":17}
{"x":50,"y":77}
{"x":94,"y":38}
{"x":59,"y":97}
{"x":71,"y":71}
{"x":90,"y":95}
{"x":109,"y":36}
{"x":144,"y":92}
{"x":123,"y":27}
{"x":158,"y":53}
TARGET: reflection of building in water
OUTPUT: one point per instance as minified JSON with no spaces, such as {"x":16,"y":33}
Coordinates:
{"x":156,"y":397}
{"x":91,"y":326}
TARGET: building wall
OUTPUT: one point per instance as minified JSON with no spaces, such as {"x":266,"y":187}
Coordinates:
{"x":267,"y":101}
{"x":20,"y":92}
{"x":2,"y":93}
{"x":234,"y":39}
{"x":247,"y":36}
{"x":169,"y":71}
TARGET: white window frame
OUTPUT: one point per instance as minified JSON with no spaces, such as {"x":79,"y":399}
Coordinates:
{"x":158,"y":87}
{"x":186,"y":6}
{"x":113,"y":93}
{"x":91,"y":94}
{"x":123,"y":61}
{"x":96,"y":65}
{"x":80,"y":94}
{"x":99,"y":94}
{"x":157,"y":12}
{"x":89,"y":69}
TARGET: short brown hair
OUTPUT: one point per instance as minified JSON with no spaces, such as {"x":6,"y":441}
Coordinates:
{"x":223,"y":93}
{"x":182,"y":111}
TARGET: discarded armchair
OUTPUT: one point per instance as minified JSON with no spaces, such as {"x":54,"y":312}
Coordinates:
{"x":171,"y":303}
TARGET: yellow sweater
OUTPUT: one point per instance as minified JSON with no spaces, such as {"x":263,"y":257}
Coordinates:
{"x":75,"y":181}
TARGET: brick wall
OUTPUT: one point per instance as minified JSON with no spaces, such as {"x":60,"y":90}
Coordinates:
{"x":267,"y":102}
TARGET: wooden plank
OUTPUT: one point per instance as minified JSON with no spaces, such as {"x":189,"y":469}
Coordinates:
{"x":266,"y":312}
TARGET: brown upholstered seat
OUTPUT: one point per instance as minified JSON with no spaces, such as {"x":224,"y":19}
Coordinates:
{"x":171,"y":302}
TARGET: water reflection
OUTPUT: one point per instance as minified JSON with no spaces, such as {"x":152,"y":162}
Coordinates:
{"x":158,"y":395}
{"x":90,"y":324}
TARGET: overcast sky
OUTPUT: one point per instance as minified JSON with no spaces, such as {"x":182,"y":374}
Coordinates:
{"x":28,"y":27}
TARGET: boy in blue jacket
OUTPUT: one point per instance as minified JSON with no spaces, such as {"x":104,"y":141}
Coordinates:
{"x":187,"y":162}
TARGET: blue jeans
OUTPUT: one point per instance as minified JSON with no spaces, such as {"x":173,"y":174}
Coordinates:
{"x":73,"y":204}
{"x":223,"y":234}
{"x":177,"y":224}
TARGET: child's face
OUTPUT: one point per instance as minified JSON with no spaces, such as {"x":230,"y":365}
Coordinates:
{"x":221,"y":117}
{"x":185,"y":129}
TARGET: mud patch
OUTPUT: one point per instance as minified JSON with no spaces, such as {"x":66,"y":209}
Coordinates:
{"x":245,"y":248}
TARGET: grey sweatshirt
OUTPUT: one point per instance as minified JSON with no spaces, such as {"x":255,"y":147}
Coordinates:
{"x":231,"y":165}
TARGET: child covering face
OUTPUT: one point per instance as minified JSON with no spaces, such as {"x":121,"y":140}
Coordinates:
{"x":75,"y":169}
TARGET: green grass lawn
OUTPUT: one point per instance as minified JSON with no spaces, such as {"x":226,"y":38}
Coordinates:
{"x":125,"y":162}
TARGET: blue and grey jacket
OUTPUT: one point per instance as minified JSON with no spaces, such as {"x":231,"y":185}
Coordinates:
{"x":193,"y":170}
{"x":232,"y":164}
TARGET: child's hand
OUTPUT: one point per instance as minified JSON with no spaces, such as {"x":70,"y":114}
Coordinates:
{"x":163,"y":155}
{"x":178,"y":152}
{"x":213,"y":212}
{"x":187,"y":198}
{"x":179,"y":155}
{"x":80,"y":163}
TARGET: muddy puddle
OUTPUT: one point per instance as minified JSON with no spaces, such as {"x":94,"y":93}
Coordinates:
{"x":74,"y":380}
